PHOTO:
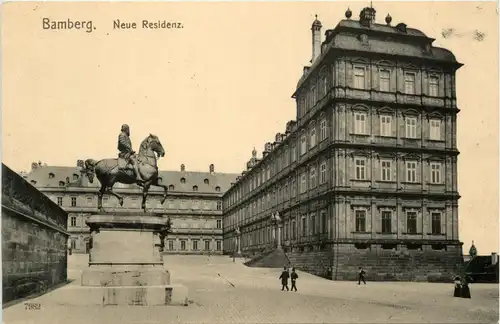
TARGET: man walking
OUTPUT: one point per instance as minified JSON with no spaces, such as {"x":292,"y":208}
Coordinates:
{"x":294,"y":277}
{"x":361,"y":276}
{"x":284,"y":279}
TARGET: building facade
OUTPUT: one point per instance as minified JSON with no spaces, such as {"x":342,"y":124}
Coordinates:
{"x":34,"y":239}
{"x":367,"y":173}
{"x":194,"y":204}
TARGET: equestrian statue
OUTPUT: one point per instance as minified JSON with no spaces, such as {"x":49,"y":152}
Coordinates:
{"x":128,"y":168}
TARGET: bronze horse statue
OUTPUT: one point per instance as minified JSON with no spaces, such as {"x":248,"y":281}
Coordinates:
{"x":109,"y":172}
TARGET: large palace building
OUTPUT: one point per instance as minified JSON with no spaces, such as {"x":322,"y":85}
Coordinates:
{"x":367,"y":174}
{"x":194,"y":204}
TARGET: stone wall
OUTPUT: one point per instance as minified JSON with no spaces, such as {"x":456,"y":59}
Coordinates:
{"x":34,"y":239}
{"x":402,"y":263}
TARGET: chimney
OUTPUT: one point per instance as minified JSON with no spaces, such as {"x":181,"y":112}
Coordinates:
{"x":316,"y":39}
{"x":211,"y":169}
{"x":183,"y":168}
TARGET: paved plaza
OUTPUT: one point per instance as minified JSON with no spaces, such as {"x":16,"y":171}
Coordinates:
{"x":256,"y":298}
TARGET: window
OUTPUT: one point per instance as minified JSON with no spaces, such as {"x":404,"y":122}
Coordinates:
{"x":411,"y":171}
{"x":183,"y":204}
{"x":436,"y":173}
{"x":359,"y":78}
{"x":195,"y":188}
{"x":73,"y":243}
{"x":183,"y":245}
{"x":436,"y":223}
{"x":73,"y":221}
{"x":411,"y":127}
{"x":359,"y":123}
{"x":304,"y":226}
{"x":410,"y":83}
{"x":217,"y":189}
{"x":324,"y":223}
{"x":386,"y":222}
{"x":360,"y":168}
{"x":294,"y":152}
{"x":312,"y":135}
{"x":385,"y":77}
{"x":303,"y":144}
{"x":89,"y":201}
{"x":434,"y":86}
{"x":195,"y":245}
{"x":322,"y":173}
{"x":411,"y":222}
{"x":385,"y":125}
{"x":322,"y":130}
{"x":218,"y":245}
{"x":313,"y":224}
{"x":73,"y":201}
{"x":206,"y":181}
{"x":360,"y":221}
{"x":435,"y":129}
{"x":313,"y":96}
{"x":75,"y":177}
{"x":324,"y":84}
{"x":171,"y":187}
{"x":183,"y":180}
{"x":219,"y":205}
{"x":303,"y":184}
{"x":207,"y":245}
{"x":59,"y":201}
{"x":312,"y":177}
{"x":294,"y":188}
{"x":171,"y":245}
{"x":294,"y":230}
{"x":219,"y":223}
{"x":105,"y":201}
{"x":385,"y":166}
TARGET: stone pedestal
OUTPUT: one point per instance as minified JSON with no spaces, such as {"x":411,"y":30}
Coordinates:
{"x":125,"y":262}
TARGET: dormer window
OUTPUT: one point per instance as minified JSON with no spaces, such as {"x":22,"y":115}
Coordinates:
{"x":217,"y":189}
{"x":171,"y":187}
{"x":401,"y":27}
{"x":206,"y":181}
{"x":33,"y":182}
{"x":51,"y":175}
{"x":75,"y":176}
{"x":183,"y":180}
{"x":195,"y":188}
{"x":160,"y":179}
{"x":61,"y":183}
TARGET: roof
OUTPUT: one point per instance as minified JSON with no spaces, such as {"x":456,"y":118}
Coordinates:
{"x":52,"y":176}
{"x":379,"y":28}
{"x":409,"y":43}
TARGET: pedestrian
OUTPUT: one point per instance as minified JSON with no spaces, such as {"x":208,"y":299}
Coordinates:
{"x":361,"y":276}
{"x":284,"y":279}
{"x":294,"y":277}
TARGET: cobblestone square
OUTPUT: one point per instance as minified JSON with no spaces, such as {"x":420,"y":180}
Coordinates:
{"x":256,"y":298}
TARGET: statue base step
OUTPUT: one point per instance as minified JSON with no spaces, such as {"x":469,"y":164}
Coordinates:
{"x":164,"y":295}
{"x":125,"y":275}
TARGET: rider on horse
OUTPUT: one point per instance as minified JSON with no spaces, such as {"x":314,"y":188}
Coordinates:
{"x":126,"y":152}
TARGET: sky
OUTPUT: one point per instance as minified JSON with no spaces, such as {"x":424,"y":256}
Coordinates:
{"x":221,"y":85}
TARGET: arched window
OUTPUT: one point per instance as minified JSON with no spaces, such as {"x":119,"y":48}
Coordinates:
{"x":171,"y":187}
{"x":217,"y":189}
{"x":183,"y":180}
{"x":206,"y":181}
{"x":195,"y":188}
